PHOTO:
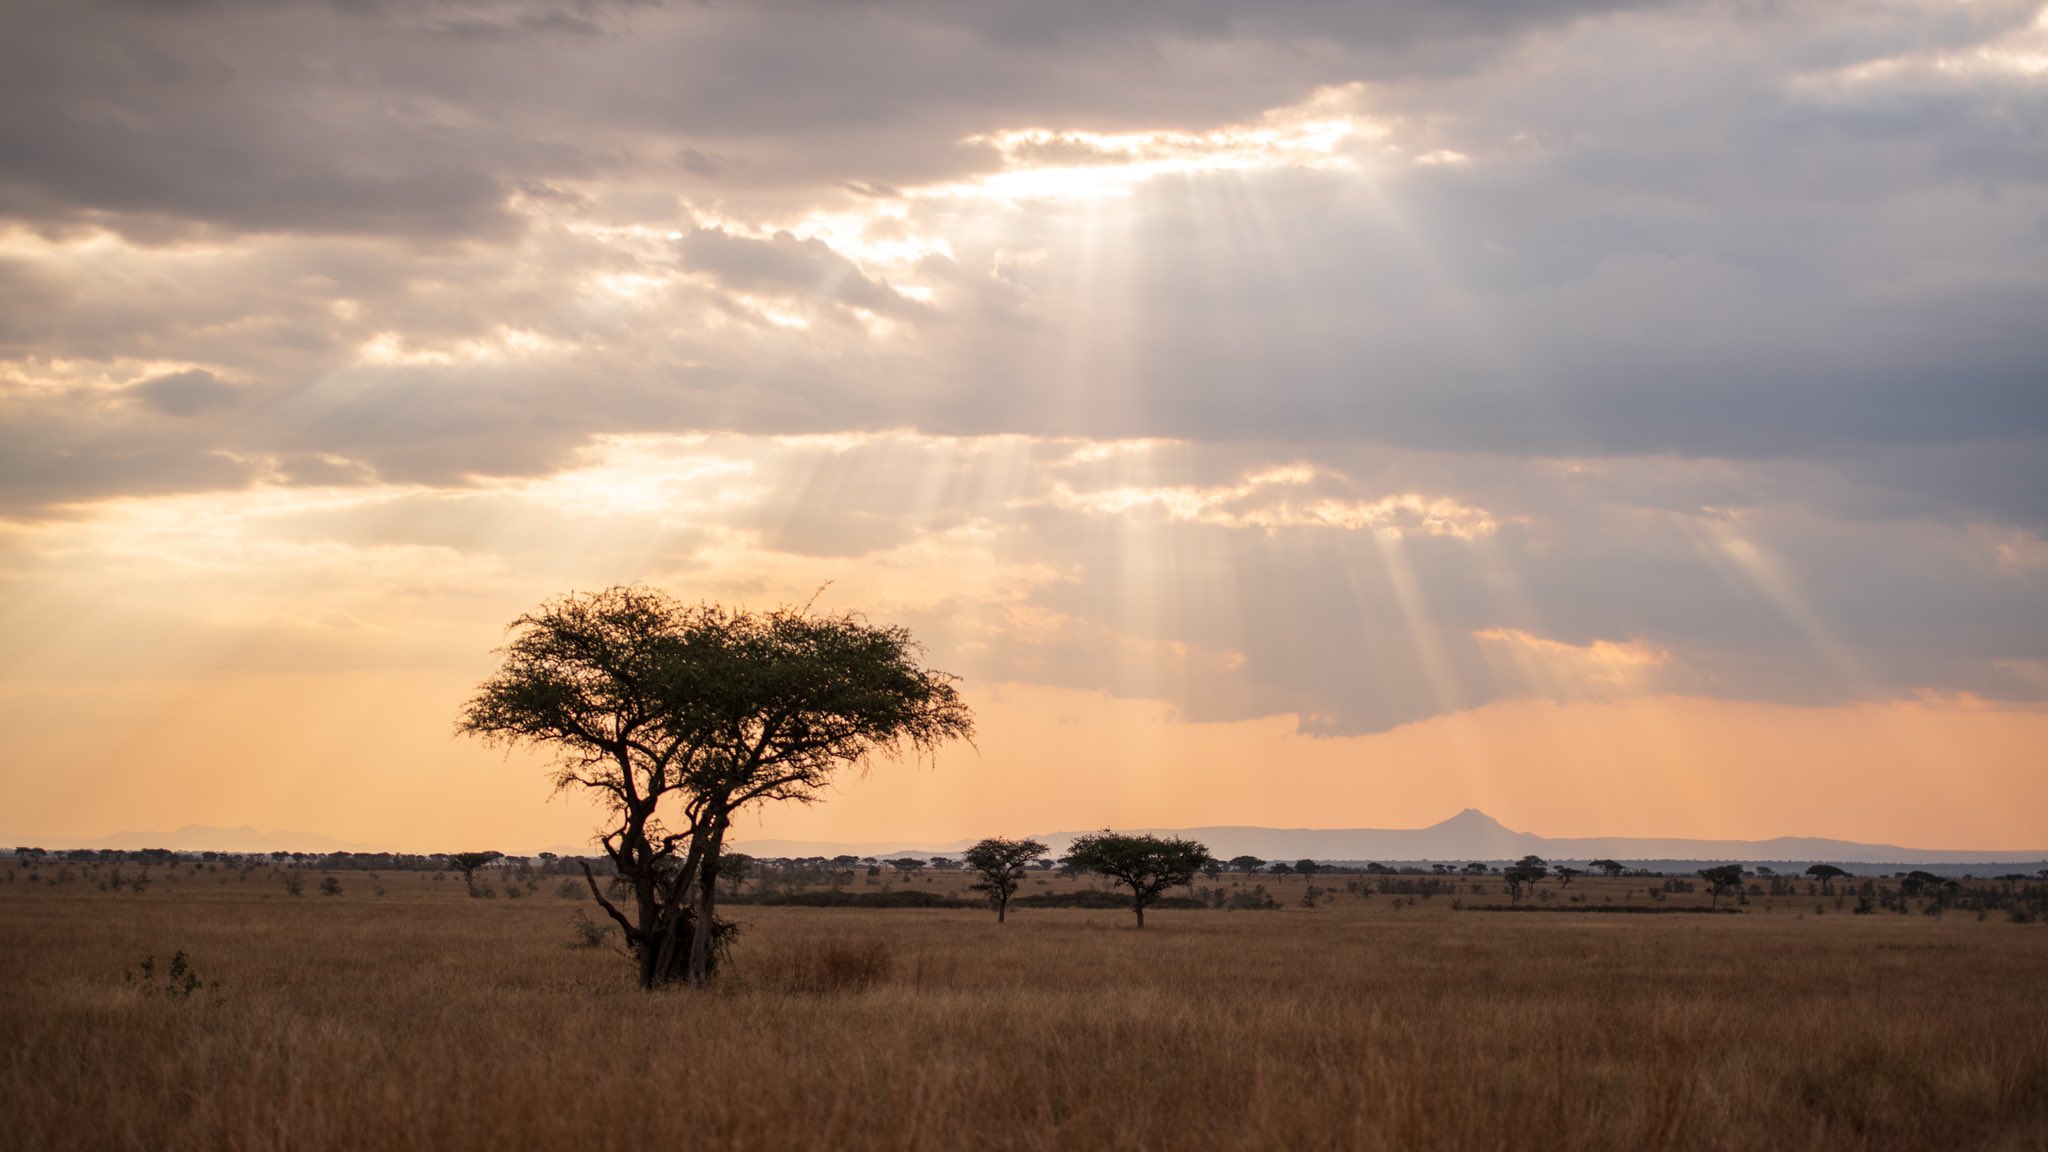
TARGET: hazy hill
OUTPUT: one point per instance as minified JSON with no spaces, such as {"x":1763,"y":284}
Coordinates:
{"x":1470,"y":835}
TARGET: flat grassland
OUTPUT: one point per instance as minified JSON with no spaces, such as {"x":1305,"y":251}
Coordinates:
{"x":397,"y":1013}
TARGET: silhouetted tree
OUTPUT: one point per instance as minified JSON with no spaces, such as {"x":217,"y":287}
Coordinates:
{"x":1001,"y":864}
{"x":1281,"y":868}
{"x":1917,"y":883}
{"x":1565,"y":875}
{"x":1721,"y":878}
{"x":657,"y":705}
{"x":1307,"y":868}
{"x":1246,"y":864}
{"x":1148,"y":865}
{"x":468,"y":862}
{"x":1610,"y":867}
{"x":1826,"y":873}
{"x":1526,"y":871}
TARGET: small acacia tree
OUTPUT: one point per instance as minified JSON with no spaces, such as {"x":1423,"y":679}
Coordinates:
{"x":1001,"y":864}
{"x":677,"y":716}
{"x":1826,"y":874}
{"x":468,"y":862}
{"x":1721,"y":878}
{"x":1526,"y":871}
{"x":1246,"y":864}
{"x":1148,"y":865}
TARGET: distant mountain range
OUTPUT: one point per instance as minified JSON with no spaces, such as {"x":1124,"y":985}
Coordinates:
{"x":1470,"y":835}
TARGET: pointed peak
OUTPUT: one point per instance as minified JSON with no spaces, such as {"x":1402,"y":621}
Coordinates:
{"x":1471,"y":818}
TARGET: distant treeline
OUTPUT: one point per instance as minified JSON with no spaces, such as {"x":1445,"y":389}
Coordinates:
{"x":841,"y":869}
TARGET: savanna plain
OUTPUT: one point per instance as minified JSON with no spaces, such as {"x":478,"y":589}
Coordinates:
{"x":396,"y":1011}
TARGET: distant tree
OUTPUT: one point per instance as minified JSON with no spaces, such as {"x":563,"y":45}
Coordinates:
{"x":1476,"y":868}
{"x":1916,"y":883}
{"x":736,"y":867}
{"x":1721,"y":878}
{"x":1826,"y":873}
{"x":1213,"y":869}
{"x":468,"y":862}
{"x":1566,"y":875}
{"x":906,"y":864}
{"x":1246,"y":864}
{"x":1524,"y":872}
{"x":1148,"y":865}
{"x":1610,"y":867}
{"x":943,"y":863}
{"x":1307,"y":868}
{"x":1000,"y":863}
{"x":1281,"y":868}
{"x":679,"y":716}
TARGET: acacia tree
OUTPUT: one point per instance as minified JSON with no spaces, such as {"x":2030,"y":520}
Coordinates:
{"x":1148,"y":865}
{"x":468,"y":862}
{"x":1001,"y":864}
{"x":1527,"y":870}
{"x":1826,"y":873}
{"x":679,"y":715}
{"x":1247,"y":864}
{"x":1721,"y":878}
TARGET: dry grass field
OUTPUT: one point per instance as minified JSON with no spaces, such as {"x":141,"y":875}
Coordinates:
{"x":417,"y":1018}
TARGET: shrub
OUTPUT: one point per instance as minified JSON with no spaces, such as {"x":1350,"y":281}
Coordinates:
{"x":178,"y":982}
{"x":587,"y":933}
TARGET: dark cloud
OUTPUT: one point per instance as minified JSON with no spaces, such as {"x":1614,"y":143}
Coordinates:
{"x":188,"y":393}
{"x":1728,"y":314}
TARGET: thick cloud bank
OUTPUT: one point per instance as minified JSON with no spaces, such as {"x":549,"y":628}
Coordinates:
{"x":1361,"y":362}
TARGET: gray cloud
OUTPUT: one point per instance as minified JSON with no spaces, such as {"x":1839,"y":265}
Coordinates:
{"x":1677,"y":283}
{"x":187,"y":393}
{"x":784,"y":264}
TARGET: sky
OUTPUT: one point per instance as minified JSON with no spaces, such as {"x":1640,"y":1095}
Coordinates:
{"x":1629,"y":419}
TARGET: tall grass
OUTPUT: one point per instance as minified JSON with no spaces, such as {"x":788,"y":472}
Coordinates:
{"x":421,"y":1019}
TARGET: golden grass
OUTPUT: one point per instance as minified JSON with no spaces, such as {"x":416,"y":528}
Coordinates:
{"x":423,"y":1019}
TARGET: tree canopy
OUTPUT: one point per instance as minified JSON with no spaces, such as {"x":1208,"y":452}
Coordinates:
{"x":1721,"y":878}
{"x":1001,"y":864}
{"x":1826,"y":874}
{"x":678,"y":715}
{"x":1148,"y":865}
{"x":1527,"y":870}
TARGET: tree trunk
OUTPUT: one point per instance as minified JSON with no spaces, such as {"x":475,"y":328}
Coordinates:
{"x":1002,"y":907}
{"x":664,"y":949}
{"x":1140,"y":909}
{"x":707,"y":904}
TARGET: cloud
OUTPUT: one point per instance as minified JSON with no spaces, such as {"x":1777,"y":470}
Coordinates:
{"x":1352,"y":362}
{"x":187,"y":393}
